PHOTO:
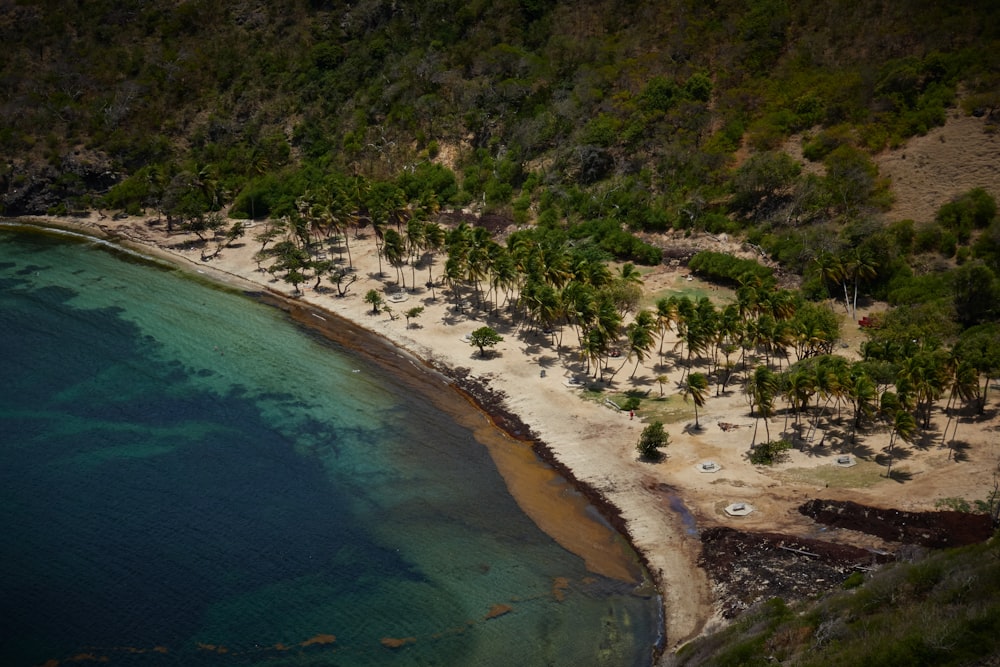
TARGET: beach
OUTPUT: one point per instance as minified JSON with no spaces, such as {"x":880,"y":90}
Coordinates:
{"x":525,"y":386}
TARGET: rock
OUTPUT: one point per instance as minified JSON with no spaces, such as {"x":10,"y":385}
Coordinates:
{"x":37,"y":189}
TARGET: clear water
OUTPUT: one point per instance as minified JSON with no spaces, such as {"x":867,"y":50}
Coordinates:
{"x":187,"y":477}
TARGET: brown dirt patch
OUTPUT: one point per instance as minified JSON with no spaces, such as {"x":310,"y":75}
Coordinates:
{"x":929,"y":529}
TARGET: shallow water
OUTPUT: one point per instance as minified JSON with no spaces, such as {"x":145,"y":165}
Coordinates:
{"x":188,"y":477}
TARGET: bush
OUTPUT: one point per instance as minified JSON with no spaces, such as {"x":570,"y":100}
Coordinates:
{"x":769,"y":453}
{"x":973,"y":210}
{"x":854,"y":580}
{"x":720,"y":267}
{"x":653,"y":437}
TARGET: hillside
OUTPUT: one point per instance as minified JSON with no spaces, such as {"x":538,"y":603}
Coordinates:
{"x":645,"y":103}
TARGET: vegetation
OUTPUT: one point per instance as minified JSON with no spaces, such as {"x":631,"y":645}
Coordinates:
{"x":769,"y":453}
{"x":942,"y":609}
{"x":311,"y":127}
{"x":485,"y":337}
{"x":651,"y":440}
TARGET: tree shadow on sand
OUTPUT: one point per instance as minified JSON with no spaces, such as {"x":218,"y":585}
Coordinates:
{"x":900,"y":476}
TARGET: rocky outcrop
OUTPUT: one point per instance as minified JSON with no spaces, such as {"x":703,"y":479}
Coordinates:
{"x":33,"y":188}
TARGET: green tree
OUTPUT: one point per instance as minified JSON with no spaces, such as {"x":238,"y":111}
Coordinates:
{"x":696,"y":390}
{"x":904,"y":427}
{"x":862,"y":393}
{"x":394,"y":251}
{"x":762,"y":388}
{"x":294,"y":277}
{"x":979,"y":346}
{"x":639,"y":335}
{"x":485,"y":337}
{"x":976,"y":291}
{"x":374,"y":299}
{"x":965,"y":386}
{"x":412,"y":314}
{"x":764,"y":183}
{"x":652,"y":438}
{"x":343,"y":280}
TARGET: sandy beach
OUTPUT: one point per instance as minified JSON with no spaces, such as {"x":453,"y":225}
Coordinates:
{"x":662,"y":506}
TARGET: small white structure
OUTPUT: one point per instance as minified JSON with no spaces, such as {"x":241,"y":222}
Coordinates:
{"x":739,"y":509}
{"x":845,"y":461}
{"x":708,"y":466}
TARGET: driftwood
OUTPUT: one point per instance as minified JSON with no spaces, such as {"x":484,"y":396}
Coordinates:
{"x":799,"y":551}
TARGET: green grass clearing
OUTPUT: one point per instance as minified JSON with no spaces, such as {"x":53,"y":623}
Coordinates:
{"x":863,"y":475}
{"x":668,"y":409}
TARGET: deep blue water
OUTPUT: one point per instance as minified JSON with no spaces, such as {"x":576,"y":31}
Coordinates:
{"x":187,"y":477}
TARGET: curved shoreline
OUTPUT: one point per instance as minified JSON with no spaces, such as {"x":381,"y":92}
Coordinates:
{"x":591,"y":447}
{"x":491,"y":403}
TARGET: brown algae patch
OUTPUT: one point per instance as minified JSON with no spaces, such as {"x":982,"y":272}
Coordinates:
{"x":319,"y":640}
{"x":397,"y":642}
{"x":559,"y":586}
{"x":498,"y":610}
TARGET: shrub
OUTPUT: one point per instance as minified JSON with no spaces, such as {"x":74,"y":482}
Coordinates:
{"x":768,"y":453}
{"x":973,"y":210}
{"x":653,"y":437}
{"x":724,"y":268}
{"x":854,"y":580}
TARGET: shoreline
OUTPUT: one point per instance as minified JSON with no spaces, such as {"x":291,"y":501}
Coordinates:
{"x":477,"y":392}
{"x":668,"y":510}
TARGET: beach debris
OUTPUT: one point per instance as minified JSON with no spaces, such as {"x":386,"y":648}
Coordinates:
{"x":726,"y":426}
{"x":708,"y":466}
{"x":801,"y":552}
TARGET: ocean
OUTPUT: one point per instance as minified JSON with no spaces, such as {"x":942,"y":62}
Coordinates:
{"x":188,"y":476}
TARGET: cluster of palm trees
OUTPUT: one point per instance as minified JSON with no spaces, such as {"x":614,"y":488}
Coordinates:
{"x":900,"y":393}
{"x":777,"y":344}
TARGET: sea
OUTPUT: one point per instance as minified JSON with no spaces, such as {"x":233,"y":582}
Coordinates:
{"x":191,"y":476}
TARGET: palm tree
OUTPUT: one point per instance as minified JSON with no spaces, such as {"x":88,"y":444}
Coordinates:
{"x":864,"y":269}
{"x":761,"y":389}
{"x":798,"y":388}
{"x":593,"y":348}
{"x":696,"y":389}
{"x":640,"y":337}
{"x":629,"y":274}
{"x":927,"y":373}
{"x":832,"y":269}
{"x":666,"y":315}
{"x":416,"y":241}
{"x":965,"y":386}
{"x":434,"y":239}
{"x":686,"y":311}
{"x":862,"y":392}
{"x":904,"y":427}
{"x":394,"y":249}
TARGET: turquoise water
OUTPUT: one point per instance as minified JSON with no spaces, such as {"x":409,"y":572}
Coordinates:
{"x":187,"y":477}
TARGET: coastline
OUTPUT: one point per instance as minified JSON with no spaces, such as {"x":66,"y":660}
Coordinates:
{"x":664,"y":545}
{"x":670,"y":512}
